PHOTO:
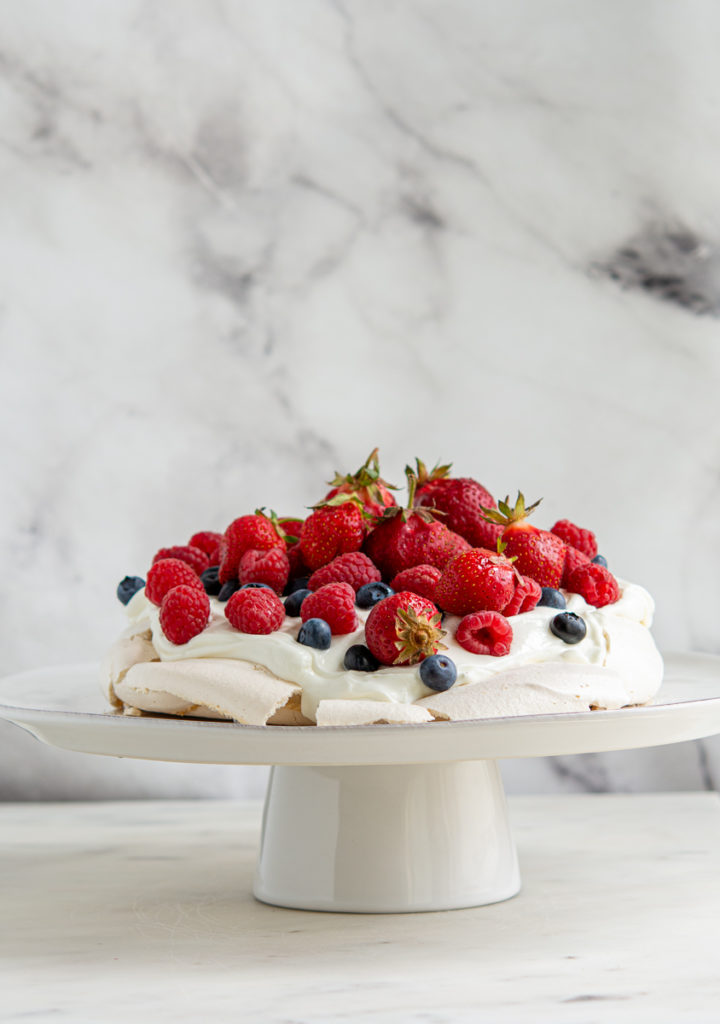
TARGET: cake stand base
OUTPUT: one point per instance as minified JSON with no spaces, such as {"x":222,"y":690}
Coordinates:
{"x":386,"y":839}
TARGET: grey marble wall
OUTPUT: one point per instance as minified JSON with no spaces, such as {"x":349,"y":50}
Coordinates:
{"x":244,"y":242}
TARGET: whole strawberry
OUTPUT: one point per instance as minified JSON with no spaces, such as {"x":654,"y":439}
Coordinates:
{"x":463,"y":500}
{"x":536,"y":553}
{"x":248,"y":533}
{"x":331,"y":530}
{"x":366,"y":485}
{"x":403,"y":629}
{"x":410,"y":536}
{"x":477,"y":580}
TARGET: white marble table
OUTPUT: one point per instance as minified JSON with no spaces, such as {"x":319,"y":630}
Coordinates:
{"x":142,"y":911}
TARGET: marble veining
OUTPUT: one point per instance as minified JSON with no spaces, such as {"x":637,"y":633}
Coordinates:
{"x":244,"y":243}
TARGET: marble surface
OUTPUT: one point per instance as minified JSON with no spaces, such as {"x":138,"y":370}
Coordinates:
{"x":244,"y":243}
{"x":120,"y":910}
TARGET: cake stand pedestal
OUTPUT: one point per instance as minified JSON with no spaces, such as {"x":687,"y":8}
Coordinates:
{"x":386,"y":839}
{"x":374,"y":819}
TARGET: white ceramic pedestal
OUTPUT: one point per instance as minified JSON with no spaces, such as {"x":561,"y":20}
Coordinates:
{"x":386,"y":838}
{"x":387,"y":818}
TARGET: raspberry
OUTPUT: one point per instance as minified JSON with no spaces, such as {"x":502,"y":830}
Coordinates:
{"x":576,"y":537}
{"x":574,"y":559}
{"x":243,"y":534}
{"x":256,"y":610}
{"x":169,"y":573}
{"x":335,"y":603}
{"x":208,"y":542}
{"x":192,"y":556}
{"x":271,"y":567}
{"x":420,"y":579}
{"x":353,"y":567}
{"x":184,"y":613}
{"x":526,"y":596}
{"x":595,"y":583}
{"x":403,"y":629}
{"x":485,"y":633}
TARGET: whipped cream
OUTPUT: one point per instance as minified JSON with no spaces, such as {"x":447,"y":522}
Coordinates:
{"x":618,"y":640}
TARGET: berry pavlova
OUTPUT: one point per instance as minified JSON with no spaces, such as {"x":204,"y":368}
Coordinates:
{"x":451,"y":606}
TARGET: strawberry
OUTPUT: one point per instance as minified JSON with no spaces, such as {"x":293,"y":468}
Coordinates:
{"x":256,"y":533}
{"x":403,"y":629}
{"x":271,"y":567}
{"x":463,"y":500}
{"x":420,"y":579}
{"x":366,"y":485}
{"x":485,"y":633}
{"x":477,"y":580}
{"x":536,"y":553}
{"x":410,"y":536}
{"x":331,"y":530}
{"x":576,"y":537}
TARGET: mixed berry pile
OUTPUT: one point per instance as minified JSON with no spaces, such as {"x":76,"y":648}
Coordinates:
{"x":452,"y":549}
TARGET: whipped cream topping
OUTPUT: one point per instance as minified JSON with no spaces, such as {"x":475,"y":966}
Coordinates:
{"x":618,"y":639}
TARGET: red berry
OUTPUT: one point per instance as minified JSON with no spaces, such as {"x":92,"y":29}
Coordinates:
{"x":335,"y":603}
{"x":463,"y":500}
{"x":366,"y":485}
{"x":271,"y":567}
{"x":420,"y":579}
{"x":576,"y":537}
{"x":244,"y":534}
{"x":407,"y":539}
{"x":573,"y":560}
{"x":192,"y":556}
{"x":476,"y":580}
{"x":485,"y":633}
{"x":536,"y":553}
{"x":526,"y":596}
{"x":331,"y":530}
{"x":297,"y":565}
{"x":354,"y":568}
{"x":403,"y":629}
{"x":169,"y":573}
{"x":184,"y":612}
{"x":256,"y":610}
{"x":595,"y":583}
{"x":208,"y":542}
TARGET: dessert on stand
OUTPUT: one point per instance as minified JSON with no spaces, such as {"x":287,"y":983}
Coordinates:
{"x":382,"y":655}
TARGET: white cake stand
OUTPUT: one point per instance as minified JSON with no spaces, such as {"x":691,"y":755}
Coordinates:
{"x":375,"y":819}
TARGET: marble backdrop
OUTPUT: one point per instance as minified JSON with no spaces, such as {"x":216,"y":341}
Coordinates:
{"x":243,"y":243}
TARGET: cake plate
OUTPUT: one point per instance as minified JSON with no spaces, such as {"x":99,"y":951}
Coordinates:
{"x":373,"y":819}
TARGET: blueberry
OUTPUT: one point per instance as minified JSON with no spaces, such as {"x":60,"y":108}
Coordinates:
{"x":600,"y":560}
{"x":315,"y":633}
{"x":255,"y":586}
{"x":370,"y":593}
{"x":128,"y":586}
{"x":359,"y":658}
{"x":293,"y":602}
{"x":299,"y":583}
{"x":211,"y":581}
{"x":438,"y":672}
{"x":569,"y":627}
{"x":228,"y":589}
{"x":552,"y":598}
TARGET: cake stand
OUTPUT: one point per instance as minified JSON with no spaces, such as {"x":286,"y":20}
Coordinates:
{"x":374,"y":819}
